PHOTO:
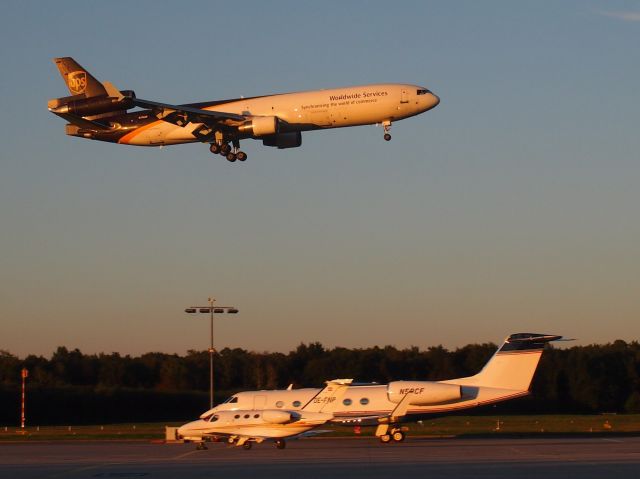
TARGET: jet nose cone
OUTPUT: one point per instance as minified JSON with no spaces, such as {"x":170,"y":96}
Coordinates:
{"x":435,"y":100}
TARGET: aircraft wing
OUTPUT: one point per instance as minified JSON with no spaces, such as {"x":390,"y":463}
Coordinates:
{"x":181,"y":115}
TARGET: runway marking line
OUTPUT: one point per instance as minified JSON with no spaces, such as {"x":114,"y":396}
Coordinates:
{"x":182,"y":455}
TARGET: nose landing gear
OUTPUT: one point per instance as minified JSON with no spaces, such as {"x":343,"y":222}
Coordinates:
{"x":386,"y":125}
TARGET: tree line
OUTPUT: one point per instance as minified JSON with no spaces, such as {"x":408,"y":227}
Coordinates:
{"x":72,"y":387}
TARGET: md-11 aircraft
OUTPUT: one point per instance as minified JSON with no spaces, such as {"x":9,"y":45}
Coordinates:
{"x":243,"y":427}
{"x":507,"y":375}
{"x":99,"y":111}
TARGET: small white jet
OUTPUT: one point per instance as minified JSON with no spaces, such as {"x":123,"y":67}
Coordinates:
{"x":507,"y":375}
{"x":242,"y":427}
{"x":99,"y":111}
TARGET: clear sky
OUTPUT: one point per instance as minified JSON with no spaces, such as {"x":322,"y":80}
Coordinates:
{"x":513,"y":206}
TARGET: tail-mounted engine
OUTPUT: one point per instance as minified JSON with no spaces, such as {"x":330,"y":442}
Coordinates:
{"x":80,"y":106}
{"x":273,"y":416}
{"x":423,"y":393}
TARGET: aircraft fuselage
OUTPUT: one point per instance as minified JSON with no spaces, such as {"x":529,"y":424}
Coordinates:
{"x":296,"y":112}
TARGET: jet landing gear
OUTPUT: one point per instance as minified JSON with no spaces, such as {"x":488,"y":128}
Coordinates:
{"x":231,"y":153}
{"x":386,"y":125}
{"x":387,"y":435}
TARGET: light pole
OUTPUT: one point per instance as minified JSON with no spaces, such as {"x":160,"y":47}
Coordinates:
{"x":211,"y":309}
{"x":24,"y":373}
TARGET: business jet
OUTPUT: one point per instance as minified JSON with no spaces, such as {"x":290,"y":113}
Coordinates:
{"x":242,"y":427}
{"x":99,"y":111}
{"x":507,"y":375}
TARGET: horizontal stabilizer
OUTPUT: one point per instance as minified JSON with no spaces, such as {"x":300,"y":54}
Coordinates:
{"x":81,"y":122}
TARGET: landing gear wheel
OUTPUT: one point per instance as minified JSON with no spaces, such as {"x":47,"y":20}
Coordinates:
{"x":246,"y":445}
{"x":385,"y":438}
{"x":231,"y":157}
{"x":280,"y":444}
{"x":387,"y":137}
{"x":231,"y":440}
{"x":241,"y":156}
{"x":201,"y":447}
{"x":398,"y":436}
{"x":214,"y":148}
{"x":225,"y":149}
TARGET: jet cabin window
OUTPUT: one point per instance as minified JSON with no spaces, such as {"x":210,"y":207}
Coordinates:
{"x":423,"y":92}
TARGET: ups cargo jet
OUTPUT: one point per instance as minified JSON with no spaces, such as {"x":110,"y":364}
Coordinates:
{"x":99,"y":111}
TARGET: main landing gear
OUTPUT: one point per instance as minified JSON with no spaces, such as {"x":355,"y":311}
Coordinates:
{"x":231,"y":153}
{"x":395,"y":434}
{"x":386,"y":125}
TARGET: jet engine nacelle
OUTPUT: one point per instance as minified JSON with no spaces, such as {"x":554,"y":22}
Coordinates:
{"x":291,"y":139}
{"x":274,"y":416}
{"x":423,"y":393}
{"x":260,"y":126}
{"x":96,"y":105}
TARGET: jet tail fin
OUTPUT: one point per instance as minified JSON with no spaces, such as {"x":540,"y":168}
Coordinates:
{"x":78,"y":80}
{"x":327,"y":398}
{"x":513,"y":365}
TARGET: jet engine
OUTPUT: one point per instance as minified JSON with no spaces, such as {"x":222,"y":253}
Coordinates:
{"x":291,"y":139}
{"x":423,"y":393}
{"x":260,"y":126}
{"x":94,"y":105}
{"x":274,"y":416}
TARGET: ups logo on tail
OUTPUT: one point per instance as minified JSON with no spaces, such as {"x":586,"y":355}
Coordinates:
{"x":77,"y":82}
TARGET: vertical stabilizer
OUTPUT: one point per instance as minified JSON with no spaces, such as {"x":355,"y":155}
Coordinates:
{"x":327,"y":398}
{"x":78,"y":80}
{"x":513,"y":365}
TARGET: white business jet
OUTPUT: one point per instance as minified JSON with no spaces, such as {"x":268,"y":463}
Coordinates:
{"x":242,"y":427}
{"x":507,"y":375}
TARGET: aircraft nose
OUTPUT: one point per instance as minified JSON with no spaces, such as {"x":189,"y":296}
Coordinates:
{"x":184,"y":429}
{"x":434,"y":100}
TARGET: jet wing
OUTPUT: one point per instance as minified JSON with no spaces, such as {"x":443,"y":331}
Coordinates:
{"x":182,"y":115}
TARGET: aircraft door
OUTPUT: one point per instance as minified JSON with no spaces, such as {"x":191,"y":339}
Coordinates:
{"x":259,"y":401}
{"x":404,"y":96}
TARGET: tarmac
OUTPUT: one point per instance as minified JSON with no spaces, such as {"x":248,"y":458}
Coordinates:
{"x":450,"y":458}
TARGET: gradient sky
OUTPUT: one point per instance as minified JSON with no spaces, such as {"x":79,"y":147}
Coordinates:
{"x":513,"y":206}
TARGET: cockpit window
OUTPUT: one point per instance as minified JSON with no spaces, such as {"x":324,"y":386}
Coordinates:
{"x":423,"y":92}
{"x":231,"y":400}
{"x":214,"y":418}
{"x":206,"y":418}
